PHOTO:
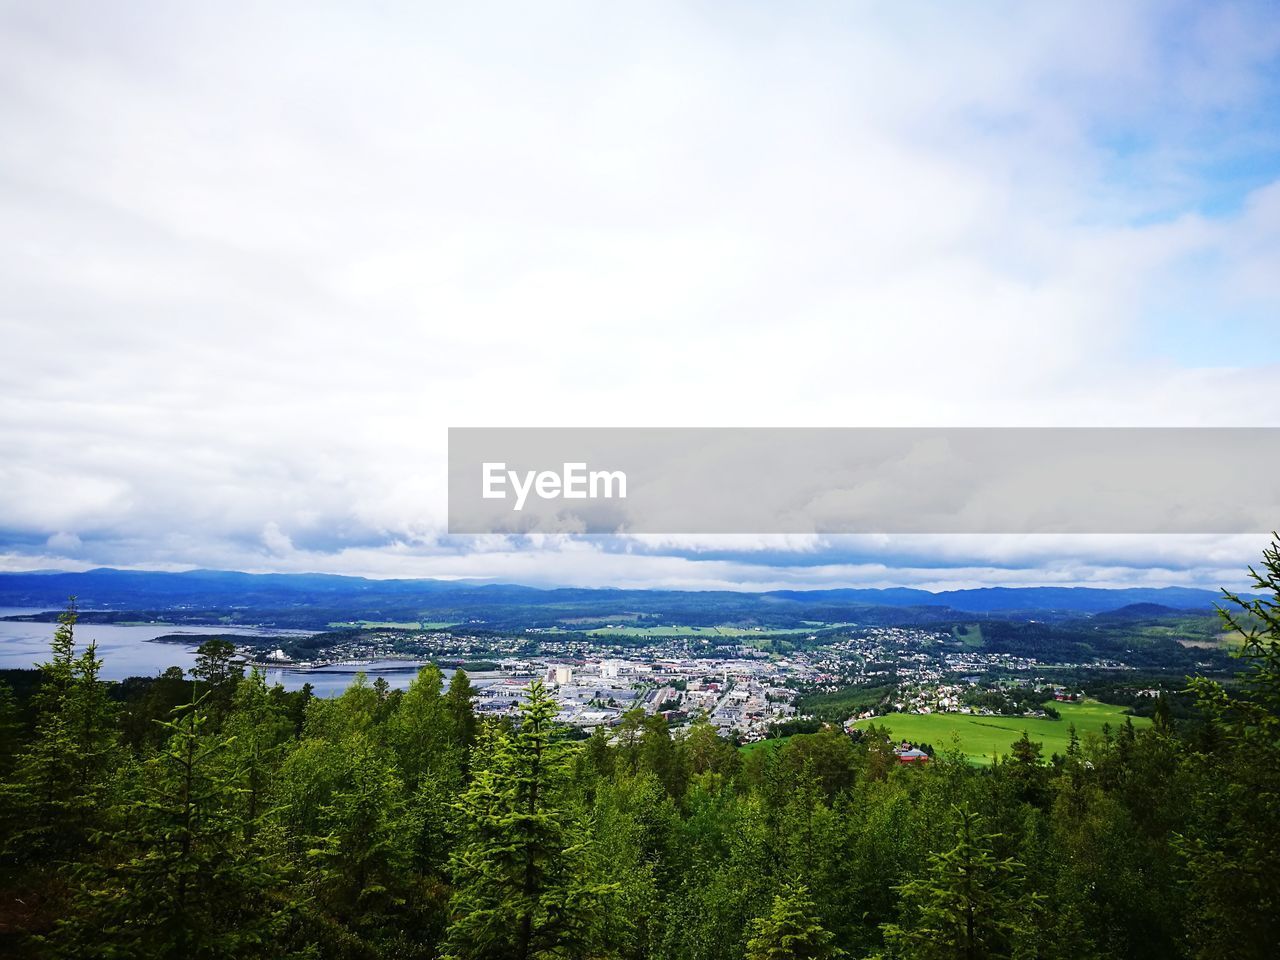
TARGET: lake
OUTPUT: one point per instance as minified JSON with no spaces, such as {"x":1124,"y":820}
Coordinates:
{"x":125,"y":651}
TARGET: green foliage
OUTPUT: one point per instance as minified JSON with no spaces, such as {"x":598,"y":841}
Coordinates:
{"x":422,"y":731}
{"x":62,"y":778}
{"x":983,"y":737}
{"x":363,"y":841}
{"x":185,"y":881}
{"x":969,"y":904}
{"x":10,"y":730}
{"x":791,"y":931}
{"x":149,"y":700}
{"x":840,"y":704}
{"x":217,"y":673}
{"x":1233,"y":850}
{"x":521,"y":887}
{"x":826,"y":758}
{"x":460,"y":701}
{"x":220,"y":816}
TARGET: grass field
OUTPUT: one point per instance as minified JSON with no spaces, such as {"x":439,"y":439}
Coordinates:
{"x":773,"y":743}
{"x":983,"y":737}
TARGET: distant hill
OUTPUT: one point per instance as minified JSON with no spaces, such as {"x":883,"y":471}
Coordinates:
{"x":1007,"y":600}
{"x":315,"y":599}
{"x":1139,"y":611}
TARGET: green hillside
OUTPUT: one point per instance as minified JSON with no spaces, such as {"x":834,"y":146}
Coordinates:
{"x":983,"y":737}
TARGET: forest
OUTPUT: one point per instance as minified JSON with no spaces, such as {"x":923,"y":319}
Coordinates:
{"x":213,"y":816}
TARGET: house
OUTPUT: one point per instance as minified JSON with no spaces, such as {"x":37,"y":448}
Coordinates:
{"x":909,"y":754}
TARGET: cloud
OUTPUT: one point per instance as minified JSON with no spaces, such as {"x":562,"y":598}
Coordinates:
{"x":64,"y":542}
{"x":258,"y":258}
{"x":276,"y":540}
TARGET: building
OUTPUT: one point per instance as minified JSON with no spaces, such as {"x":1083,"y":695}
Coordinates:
{"x":909,"y":754}
{"x":612,"y":669}
{"x":559,"y":674}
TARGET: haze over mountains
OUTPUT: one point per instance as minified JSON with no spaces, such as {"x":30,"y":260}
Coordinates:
{"x":356,"y":597}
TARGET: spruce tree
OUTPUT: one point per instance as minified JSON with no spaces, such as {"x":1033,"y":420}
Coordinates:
{"x":421,"y":731}
{"x":364,"y":843}
{"x":969,"y":905}
{"x":10,"y":730}
{"x":185,"y":883}
{"x":258,"y":731}
{"x":459,"y":701}
{"x":1231,"y":851}
{"x":60,"y":780}
{"x":521,"y":890}
{"x":217,"y":673}
{"x":1030,"y":776}
{"x":791,"y":930}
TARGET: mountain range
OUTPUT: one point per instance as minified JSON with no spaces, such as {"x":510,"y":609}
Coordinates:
{"x":345,"y":597}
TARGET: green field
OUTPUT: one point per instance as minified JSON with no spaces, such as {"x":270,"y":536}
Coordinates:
{"x":773,"y":743}
{"x":983,"y":737}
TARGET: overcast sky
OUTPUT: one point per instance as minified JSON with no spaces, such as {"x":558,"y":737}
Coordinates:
{"x":256,"y":258}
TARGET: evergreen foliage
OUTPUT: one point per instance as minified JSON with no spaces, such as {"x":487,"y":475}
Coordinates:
{"x":183,"y":880}
{"x":521,"y":887}
{"x":791,"y":931}
{"x":219,"y":816}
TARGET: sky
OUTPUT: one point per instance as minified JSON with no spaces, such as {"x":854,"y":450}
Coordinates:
{"x":257,"y":258}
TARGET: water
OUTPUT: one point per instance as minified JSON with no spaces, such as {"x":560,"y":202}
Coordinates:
{"x":332,"y":680}
{"x":126,"y":652}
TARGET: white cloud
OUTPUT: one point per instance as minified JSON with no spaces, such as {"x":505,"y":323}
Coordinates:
{"x":275,"y":539}
{"x":258,"y":258}
{"x":63,"y":542}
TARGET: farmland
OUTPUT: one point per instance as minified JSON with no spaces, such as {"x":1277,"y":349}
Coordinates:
{"x":980,"y":737}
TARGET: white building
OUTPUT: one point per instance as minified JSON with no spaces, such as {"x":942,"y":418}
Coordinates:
{"x":559,"y":674}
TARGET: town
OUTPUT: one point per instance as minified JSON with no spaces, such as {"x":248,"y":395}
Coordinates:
{"x":745,"y":688}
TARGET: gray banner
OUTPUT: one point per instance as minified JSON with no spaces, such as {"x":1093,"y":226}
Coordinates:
{"x":864,"y":480}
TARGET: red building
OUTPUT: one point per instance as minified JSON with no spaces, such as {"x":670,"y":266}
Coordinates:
{"x":909,"y":754}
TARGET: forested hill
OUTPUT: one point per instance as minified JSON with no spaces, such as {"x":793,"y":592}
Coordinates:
{"x":213,"y":816}
{"x":355,"y":597}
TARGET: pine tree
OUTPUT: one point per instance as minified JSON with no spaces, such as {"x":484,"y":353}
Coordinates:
{"x":60,"y":781}
{"x":217,"y":673}
{"x":459,"y":701}
{"x":791,"y":930}
{"x":365,"y":841}
{"x":257,"y":731}
{"x":520,"y":889}
{"x":1162,"y":716}
{"x":629,"y":736}
{"x":969,"y":904}
{"x":659,"y":755}
{"x":10,"y":745}
{"x":93,"y":723}
{"x":1232,"y":852}
{"x":421,"y":732}
{"x":355,"y":713}
{"x":705,"y":752}
{"x":1030,"y":776}
{"x":10,"y":730}
{"x":186,"y":883}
